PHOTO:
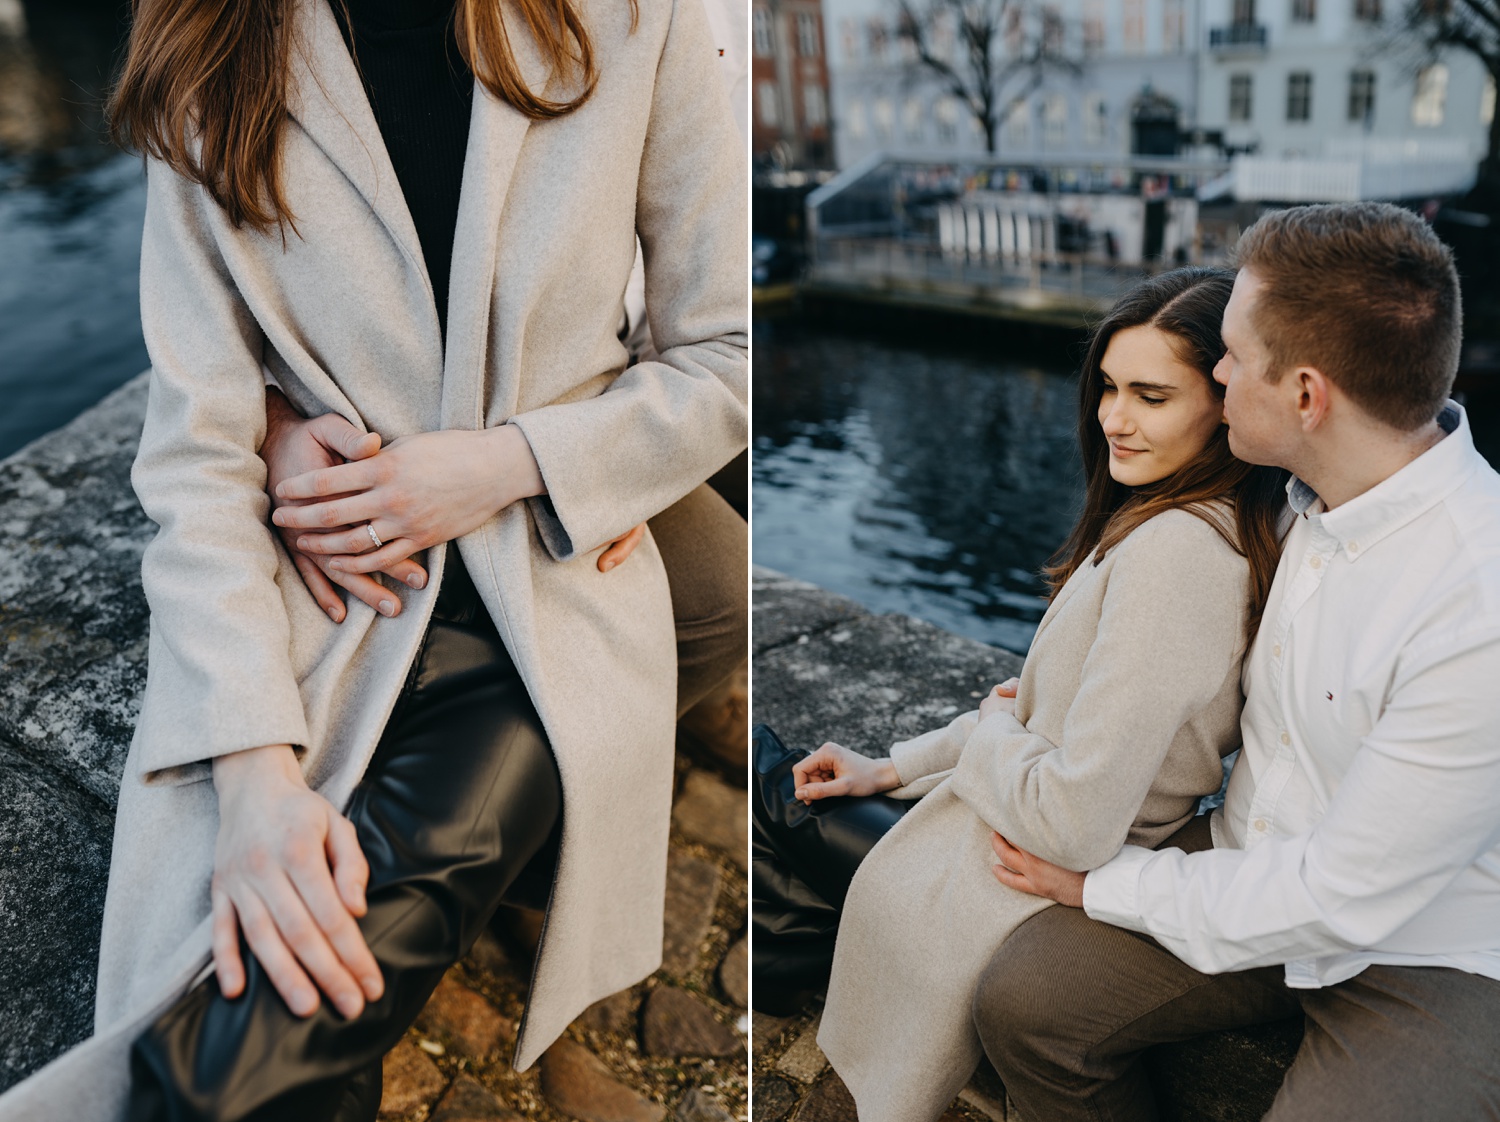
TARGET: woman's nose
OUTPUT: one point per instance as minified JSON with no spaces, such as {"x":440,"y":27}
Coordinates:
{"x":1117,"y":420}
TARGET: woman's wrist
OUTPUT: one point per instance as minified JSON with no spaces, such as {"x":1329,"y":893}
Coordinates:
{"x":235,"y":770}
{"x":517,"y":474}
{"x":888,"y":777}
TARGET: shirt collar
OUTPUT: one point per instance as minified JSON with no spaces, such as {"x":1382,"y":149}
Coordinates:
{"x":1396,"y":500}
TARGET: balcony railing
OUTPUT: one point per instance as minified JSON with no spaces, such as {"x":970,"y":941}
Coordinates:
{"x":1238,"y":36}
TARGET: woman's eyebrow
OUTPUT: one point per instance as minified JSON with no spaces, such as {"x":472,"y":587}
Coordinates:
{"x":1151,"y":385}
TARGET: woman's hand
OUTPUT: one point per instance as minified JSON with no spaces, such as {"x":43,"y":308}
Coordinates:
{"x":835,"y":770}
{"x":419,"y":491}
{"x":1001,"y":699}
{"x":296,"y":444}
{"x":288,"y":870}
{"x":1027,"y":872}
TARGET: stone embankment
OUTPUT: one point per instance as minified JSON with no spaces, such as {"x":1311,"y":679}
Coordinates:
{"x":827,"y":669}
{"x":72,"y":666}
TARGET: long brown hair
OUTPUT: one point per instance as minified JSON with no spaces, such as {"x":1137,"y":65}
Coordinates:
{"x":1188,"y":306}
{"x":215,"y":72}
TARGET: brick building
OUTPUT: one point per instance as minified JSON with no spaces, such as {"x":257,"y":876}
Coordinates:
{"x":789,"y":80}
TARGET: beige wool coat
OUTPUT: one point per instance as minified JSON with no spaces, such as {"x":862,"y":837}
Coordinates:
{"x":1129,"y":697}
{"x":342,"y":313}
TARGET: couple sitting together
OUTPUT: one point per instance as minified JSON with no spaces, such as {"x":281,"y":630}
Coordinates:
{"x":1289,"y":546}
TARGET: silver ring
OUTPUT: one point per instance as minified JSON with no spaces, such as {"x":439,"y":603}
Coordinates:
{"x":374,"y":537}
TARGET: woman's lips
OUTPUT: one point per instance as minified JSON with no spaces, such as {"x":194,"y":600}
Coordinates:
{"x":1124,"y":453}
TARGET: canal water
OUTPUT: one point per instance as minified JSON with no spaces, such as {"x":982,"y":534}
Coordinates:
{"x":912,"y":477}
{"x":923,"y":477}
{"x":70,"y":218}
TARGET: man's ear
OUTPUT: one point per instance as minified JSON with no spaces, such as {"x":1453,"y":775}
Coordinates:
{"x":1314,"y":396}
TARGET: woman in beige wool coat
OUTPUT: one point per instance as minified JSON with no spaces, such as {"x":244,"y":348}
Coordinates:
{"x":273,"y":921}
{"x":1129,"y":698}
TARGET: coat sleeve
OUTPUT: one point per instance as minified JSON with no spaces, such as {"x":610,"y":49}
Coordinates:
{"x":666,"y":425}
{"x":924,"y":760}
{"x":1171,"y":630}
{"x":220,"y":677}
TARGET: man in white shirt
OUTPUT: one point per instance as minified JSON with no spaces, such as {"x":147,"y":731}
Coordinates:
{"x":1353,"y":874}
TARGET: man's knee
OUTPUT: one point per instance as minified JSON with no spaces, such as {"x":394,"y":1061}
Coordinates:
{"x":1017,"y":994}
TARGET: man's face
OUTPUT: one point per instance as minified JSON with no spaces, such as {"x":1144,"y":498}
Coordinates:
{"x":1260,"y":414}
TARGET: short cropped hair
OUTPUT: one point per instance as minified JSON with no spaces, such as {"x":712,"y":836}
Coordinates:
{"x":1364,"y":292}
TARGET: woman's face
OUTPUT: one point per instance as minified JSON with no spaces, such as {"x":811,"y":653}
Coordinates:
{"x":1157,"y":412}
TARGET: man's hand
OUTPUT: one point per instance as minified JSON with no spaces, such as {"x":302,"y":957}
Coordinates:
{"x":621,"y":548}
{"x":289,"y":872}
{"x":1000,"y":699}
{"x":294,"y":445}
{"x":835,"y":770}
{"x":1029,"y":873}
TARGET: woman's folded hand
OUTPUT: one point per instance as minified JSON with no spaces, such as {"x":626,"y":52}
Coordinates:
{"x":835,"y":770}
{"x":1000,"y":699}
{"x":418,"y":491}
{"x":289,"y":872}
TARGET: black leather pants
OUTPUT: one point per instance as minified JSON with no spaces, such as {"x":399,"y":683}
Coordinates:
{"x":802,"y":860}
{"x":461,"y":798}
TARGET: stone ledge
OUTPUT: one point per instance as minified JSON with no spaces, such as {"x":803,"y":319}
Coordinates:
{"x":827,"y":669}
{"x":73,"y":619}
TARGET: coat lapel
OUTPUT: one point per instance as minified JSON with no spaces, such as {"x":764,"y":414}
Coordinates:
{"x":496,"y":130}
{"x":326,"y":97}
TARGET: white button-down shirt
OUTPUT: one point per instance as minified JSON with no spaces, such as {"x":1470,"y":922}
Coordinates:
{"x":1362,"y":820}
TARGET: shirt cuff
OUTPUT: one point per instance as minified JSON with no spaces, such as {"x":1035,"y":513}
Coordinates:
{"x":1111,"y":893}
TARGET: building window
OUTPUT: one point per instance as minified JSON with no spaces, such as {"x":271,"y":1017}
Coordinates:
{"x":1013,"y":29}
{"x":1055,"y":120}
{"x":875,"y":30}
{"x":911,"y":119}
{"x":1431,"y":96}
{"x":1093,"y":25}
{"x":763,"y":45}
{"x":1173,"y":26}
{"x":1242,"y":12}
{"x":1304,"y":11}
{"x":1240,"y":97}
{"x":885,"y":119}
{"x":808,"y":40}
{"x":1299,"y":96}
{"x":946,"y":112}
{"x":814,"y":108}
{"x":1018,"y":124}
{"x":1134,"y":23}
{"x":1487,"y":100}
{"x":849,"y":35}
{"x":766,"y":95}
{"x":1368,"y":10}
{"x":1053,"y":29}
{"x":854,"y":120}
{"x":1095,"y":119}
{"x":1361,"y":95}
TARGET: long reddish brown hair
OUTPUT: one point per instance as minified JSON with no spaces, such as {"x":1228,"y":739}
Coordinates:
{"x":215,"y":72}
{"x":1188,"y":306}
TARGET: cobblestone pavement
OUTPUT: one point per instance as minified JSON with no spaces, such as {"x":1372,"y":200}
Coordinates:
{"x":793,"y":1082}
{"x":673,"y":1046}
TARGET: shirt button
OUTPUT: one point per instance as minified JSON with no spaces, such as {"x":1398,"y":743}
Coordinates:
{"x":1276,"y":651}
{"x":1316,"y":562}
{"x":1286,"y":738}
{"x":1353,"y":547}
{"x":1260,"y":825}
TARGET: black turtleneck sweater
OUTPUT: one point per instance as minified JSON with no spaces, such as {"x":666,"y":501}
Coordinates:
{"x":421,"y":93}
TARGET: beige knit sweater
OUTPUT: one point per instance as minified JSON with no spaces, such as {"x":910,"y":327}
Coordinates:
{"x":1129,"y":698}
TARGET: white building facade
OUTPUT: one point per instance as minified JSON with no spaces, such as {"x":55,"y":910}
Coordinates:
{"x":1319,"y":93}
{"x":884,"y":101}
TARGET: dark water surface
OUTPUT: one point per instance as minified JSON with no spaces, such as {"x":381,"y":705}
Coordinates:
{"x":70,"y":218}
{"x":930,"y":482}
{"x":918,"y":475}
